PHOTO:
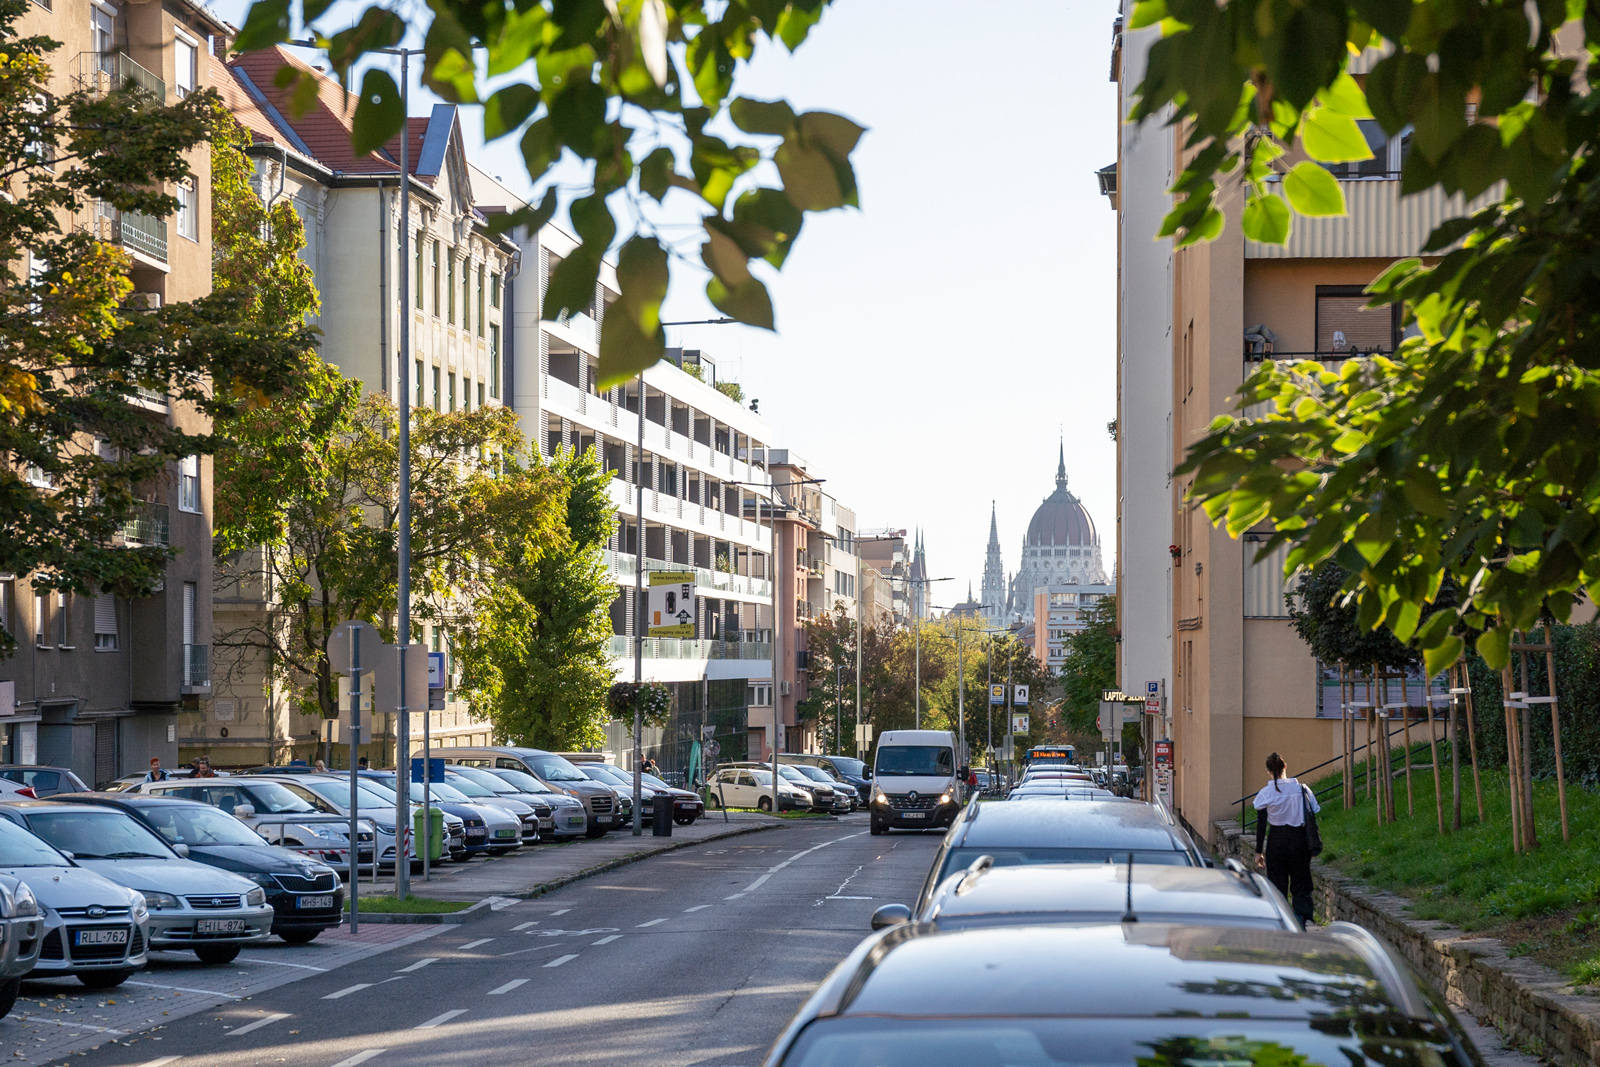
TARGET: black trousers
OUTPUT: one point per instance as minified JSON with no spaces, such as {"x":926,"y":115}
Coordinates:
{"x":1289,"y":868}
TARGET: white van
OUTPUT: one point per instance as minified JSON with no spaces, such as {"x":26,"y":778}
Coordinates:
{"x":914,"y":780}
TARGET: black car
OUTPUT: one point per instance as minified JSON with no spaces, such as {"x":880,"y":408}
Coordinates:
{"x":1123,"y":993}
{"x":1083,"y":831}
{"x":306,"y":895}
{"x":851,"y":771}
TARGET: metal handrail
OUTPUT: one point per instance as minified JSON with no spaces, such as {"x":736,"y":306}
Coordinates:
{"x":1327,"y":791}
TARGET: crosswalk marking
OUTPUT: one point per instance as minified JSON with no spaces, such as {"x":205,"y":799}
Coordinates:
{"x":559,"y":960}
{"x":360,"y":1057}
{"x":508,"y":987}
{"x":418,"y":965}
{"x":439,"y":1020}
{"x":162,"y":1062}
{"x":259,"y":1023}
{"x":652,"y":922}
{"x":347,"y":990}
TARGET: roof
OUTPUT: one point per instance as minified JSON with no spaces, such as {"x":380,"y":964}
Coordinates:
{"x":1062,"y":519}
{"x":1099,"y":893}
{"x":119,"y":799}
{"x":1134,"y":969}
{"x":1086,"y":824}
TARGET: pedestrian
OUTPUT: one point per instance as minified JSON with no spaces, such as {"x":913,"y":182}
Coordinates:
{"x":1282,"y":847}
{"x":321,"y":768}
{"x":363,"y":765}
{"x":202,"y":768}
{"x":155,"y":774}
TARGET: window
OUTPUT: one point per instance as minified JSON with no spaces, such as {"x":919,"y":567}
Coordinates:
{"x":436,"y":406}
{"x":452,"y":392}
{"x":63,"y":620}
{"x":1346,"y":326}
{"x":188,"y":221}
{"x":105,"y":624}
{"x":103,"y":34}
{"x":494,"y":361}
{"x":39,"y":478}
{"x":420,"y":378}
{"x":185,"y":52}
{"x":189,"y":591}
{"x":419,"y":270}
{"x":189,"y":483}
{"x":480,"y":395}
{"x":450,"y":285}
{"x":480,"y":300}
{"x":494,"y":290}
{"x":41,"y":618}
{"x":1388,"y":153}
{"x":466,"y":295}
{"x":435,"y":277}
{"x":1264,"y":584}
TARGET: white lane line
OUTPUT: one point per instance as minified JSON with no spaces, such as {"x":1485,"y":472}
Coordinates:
{"x":347,"y":990}
{"x":559,"y":960}
{"x":75,"y":1026}
{"x":697,"y":907}
{"x":606,"y":940}
{"x":280,"y":963}
{"x":418,"y":965}
{"x":652,"y":922}
{"x":503,"y":903}
{"x":361,"y":1057}
{"x":563,"y":911}
{"x":185,"y":989}
{"x":266,"y":1020}
{"x":162,"y":1062}
{"x":440,"y":1020}
{"x":837,"y":897}
{"x":524,"y":926}
{"x":753,"y":886}
{"x":475,"y":944}
{"x":508,"y":987}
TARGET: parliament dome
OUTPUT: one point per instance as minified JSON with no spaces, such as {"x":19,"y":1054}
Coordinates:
{"x":1062,"y":518}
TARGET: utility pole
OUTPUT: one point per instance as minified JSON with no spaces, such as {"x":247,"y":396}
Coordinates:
{"x":638,"y":622}
{"x":860,"y":634}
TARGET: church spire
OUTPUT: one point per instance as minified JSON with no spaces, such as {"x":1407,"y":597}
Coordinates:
{"x":1061,"y":468}
{"x":994,"y":530}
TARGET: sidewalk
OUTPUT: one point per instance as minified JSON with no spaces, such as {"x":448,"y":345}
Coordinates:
{"x":532,"y":872}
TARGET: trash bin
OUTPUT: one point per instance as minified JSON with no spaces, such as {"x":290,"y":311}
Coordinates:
{"x":435,"y":829}
{"x":661,"y":815}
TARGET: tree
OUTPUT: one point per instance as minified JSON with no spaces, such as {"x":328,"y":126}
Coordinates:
{"x":535,"y":647}
{"x":1469,"y":455}
{"x":1323,"y":616}
{"x":79,"y":445}
{"x":605,"y":81}
{"x":1089,"y":667}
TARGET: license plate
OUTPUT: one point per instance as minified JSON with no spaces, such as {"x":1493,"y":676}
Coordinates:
{"x":219,"y":926}
{"x":547,"y":824}
{"x":477,"y":833}
{"x":575,"y":820}
{"x":602,"y":818}
{"x":913,"y":815}
{"x":100,"y":937}
{"x":315,"y":902}
{"x":505,"y":833}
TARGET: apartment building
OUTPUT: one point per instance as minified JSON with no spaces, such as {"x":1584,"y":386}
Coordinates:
{"x":453,"y":285}
{"x":1059,"y":611}
{"x":1197,"y":612}
{"x":97,"y":683}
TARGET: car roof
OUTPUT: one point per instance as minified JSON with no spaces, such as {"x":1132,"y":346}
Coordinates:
{"x":1081,"y":824}
{"x":147,"y":800}
{"x":52,"y":804}
{"x":1099,"y":892}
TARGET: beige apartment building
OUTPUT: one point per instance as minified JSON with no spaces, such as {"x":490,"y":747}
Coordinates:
{"x":97,"y":683}
{"x":1235,"y":681}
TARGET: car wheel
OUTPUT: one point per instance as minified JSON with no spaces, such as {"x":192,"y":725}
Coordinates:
{"x":713,"y":802}
{"x":101,"y":979}
{"x":213,"y":954}
{"x":765,"y":804}
{"x":684,"y":820}
{"x":878,"y":829}
{"x":594,"y":833}
{"x":8,"y":995}
{"x":298,"y":935}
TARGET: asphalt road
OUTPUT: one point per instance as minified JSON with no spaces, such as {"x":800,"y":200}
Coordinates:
{"x":697,"y":957}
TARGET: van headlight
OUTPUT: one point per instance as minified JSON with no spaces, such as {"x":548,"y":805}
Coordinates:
{"x":879,"y":797}
{"x":255,"y":898}
{"x":944,"y":799}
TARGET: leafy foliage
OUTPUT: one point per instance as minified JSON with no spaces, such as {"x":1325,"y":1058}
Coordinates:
{"x":630,"y":87}
{"x":1323,"y":616}
{"x":1089,"y":667}
{"x":653,"y":701}
{"x":83,"y":442}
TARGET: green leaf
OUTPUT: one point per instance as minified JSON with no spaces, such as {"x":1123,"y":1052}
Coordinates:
{"x":266,"y":24}
{"x":1313,"y":191}
{"x":631,"y":336}
{"x":578,"y":116}
{"x":1344,"y":97}
{"x":772,"y":117}
{"x":733,"y":289}
{"x":377,"y":28}
{"x":447,"y":59}
{"x":1147,"y":13}
{"x":379,"y":115}
{"x":1439,"y":657}
{"x":765,"y":223}
{"x":540,"y":148}
{"x":518,"y":36}
{"x":658,"y":173}
{"x":1388,"y":17}
{"x":530,"y":217}
{"x":1494,"y":646}
{"x":1267,"y":219}
{"x":1331,"y":137}
{"x":571,"y":286}
{"x":508,"y":109}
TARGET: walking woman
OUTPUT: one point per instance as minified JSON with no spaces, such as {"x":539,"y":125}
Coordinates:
{"x":1283,"y":849}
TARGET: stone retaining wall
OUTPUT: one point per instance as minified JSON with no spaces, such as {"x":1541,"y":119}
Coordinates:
{"x":1531,"y":1004}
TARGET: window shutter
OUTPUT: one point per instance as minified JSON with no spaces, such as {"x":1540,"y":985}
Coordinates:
{"x":105,"y":615}
{"x":188,"y":612}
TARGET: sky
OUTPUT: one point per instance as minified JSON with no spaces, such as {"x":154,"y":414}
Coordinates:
{"x":935,"y":345}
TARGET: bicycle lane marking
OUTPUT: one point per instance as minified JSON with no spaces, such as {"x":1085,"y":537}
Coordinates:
{"x":757,"y":884}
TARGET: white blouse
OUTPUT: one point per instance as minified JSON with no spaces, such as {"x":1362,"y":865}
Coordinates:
{"x":1282,"y":801}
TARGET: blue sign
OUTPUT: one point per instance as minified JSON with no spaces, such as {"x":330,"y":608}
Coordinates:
{"x":435,"y":769}
{"x":436,"y":677}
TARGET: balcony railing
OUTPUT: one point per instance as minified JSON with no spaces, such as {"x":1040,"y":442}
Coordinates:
{"x":682,"y":648}
{"x":622,"y":565}
{"x":197,"y":665}
{"x":1354,"y":352}
{"x":141,"y":233}
{"x":104,"y":72}
{"x":147,"y":529}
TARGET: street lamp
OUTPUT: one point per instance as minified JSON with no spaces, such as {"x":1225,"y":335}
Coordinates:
{"x":917,"y":637}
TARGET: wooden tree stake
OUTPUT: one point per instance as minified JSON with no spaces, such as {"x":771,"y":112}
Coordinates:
{"x":1555,"y":728}
{"x":1433,"y":749}
{"x":1472,"y":740}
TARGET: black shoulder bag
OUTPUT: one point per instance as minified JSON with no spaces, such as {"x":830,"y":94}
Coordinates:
{"x":1313,"y":835}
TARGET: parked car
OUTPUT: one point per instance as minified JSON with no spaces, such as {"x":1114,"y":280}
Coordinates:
{"x":44,"y":781}
{"x":986,"y":895}
{"x":23,"y":932}
{"x":1062,"y":794}
{"x":539,"y":801}
{"x":306,"y":895}
{"x":846,"y":769}
{"x":601,"y":803}
{"x":92,"y":928}
{"x":473,"y":839}
{"x":751,"y":787}
{"x":915,"y":995}
{"x":567,"y":814}
{"x":686,"y":804}
{"x":192,"y":906}
{"x":1087,"y":831}
{"x":845,"y":799}
{"x":330,"y":794}
{"x":523,"y":817}
{"x":280,"y":815}
{"x":823,"y":796}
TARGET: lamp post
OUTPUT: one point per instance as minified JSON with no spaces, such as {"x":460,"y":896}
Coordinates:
{"x":917,"y":639}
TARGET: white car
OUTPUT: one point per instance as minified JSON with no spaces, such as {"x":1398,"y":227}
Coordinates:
{"x":751,"y":787}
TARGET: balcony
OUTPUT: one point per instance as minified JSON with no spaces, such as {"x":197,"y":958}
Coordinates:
{"x":136,"y":232}
{"x":683,"y":648}
{"x":148,"y":529}
{"x":196,"y":668}
{"x":623,"y":565}
{"x":104,"y":72}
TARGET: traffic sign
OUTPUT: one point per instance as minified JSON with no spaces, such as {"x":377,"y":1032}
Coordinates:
{"x":1152,"y":689}
{"x":1163,"y":752}
{"x":1152,"y":706}
{"x":997,"y":694}
{"x":1019,"y":696}
{"x":1019,"y":723}
{"x":359,"y":638}
{"x":388,"y":670}
{"x":436,"y":679}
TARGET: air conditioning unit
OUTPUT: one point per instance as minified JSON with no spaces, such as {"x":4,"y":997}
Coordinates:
{"x":144,"y":301}
{"x":783,"y":688}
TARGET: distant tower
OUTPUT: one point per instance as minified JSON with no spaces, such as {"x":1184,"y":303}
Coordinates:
{"x":919,"y":583}
{"x":994,"y":576}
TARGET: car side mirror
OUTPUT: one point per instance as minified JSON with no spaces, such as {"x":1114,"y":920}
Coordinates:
{"x":866,"y":774}
{"x":243,"y":811}
{"x":890,"y":915}
{"x":181,"y":849}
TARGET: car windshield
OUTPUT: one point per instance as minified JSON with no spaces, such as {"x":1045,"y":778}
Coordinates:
{"x":792,"y":774}
{"x":198,"y":825}
{"x":18,"y":848}
{"x":846,"y":765}
{"x":440,"y":791}
{"x":602,"y":772}
{"x":816,"y":774}
{"x":652,"y":780}
{"x":905,"y":761}
{"x":521,"y":780}
{"x":270,"y":798}
{"x":497,"y":786}
{"x":467,"y":786}
{"x":338,"y":794}
{"x":98,"y":835}
{"x":957,"y":858}
{"x":1386,"y":1040}
{"x":555,"y":769}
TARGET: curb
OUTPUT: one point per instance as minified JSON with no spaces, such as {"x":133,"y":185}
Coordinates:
{"x":448,"y":918}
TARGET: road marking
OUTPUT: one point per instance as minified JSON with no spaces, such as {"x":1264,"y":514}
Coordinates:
{"x":697,"y":907}
{"x":508,"y":987}
{"x":563,"y":911}
{"x":267,"y":1020}
{"x":418,"y":965}
{"x":559,"y":960}
{"x":607,"y":940}
{"x":524,"y":926}
{"x":475,"y":944}
{"x":502,"y":903}
{"x":347,"y":990}
{"x":440,"y":1020}
{"x":162,"y":1062}
{"x":185,"y":989}
{"x":361,"y":1057}
{"x":837,"y":897}
{"x":280,"y":963}
{"x":753,"y":886}
{"x":652,"y":922}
